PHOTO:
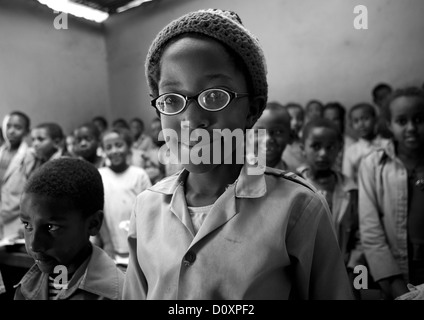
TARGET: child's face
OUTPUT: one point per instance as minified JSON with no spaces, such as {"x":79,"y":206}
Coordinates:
{"x":55,"y":232}
{"x":363,"y":122}
{"x":407,"y":122}
{"x":85,"y":143}
{"x":296,"y":122}
{"x":43,"y":144}
{"x":155,"y":131}
{"x":277,"y":134}
{"x":100,"y":126}
{"x":335,"y":116}
{"x":16,"y":130}
{"x":136,"y":129}
{"x":116,"y":150}
{"x":189,"y":66}
{"x":381,"y":96}
{"x":314,"y":111}
{"x":321,"y":148}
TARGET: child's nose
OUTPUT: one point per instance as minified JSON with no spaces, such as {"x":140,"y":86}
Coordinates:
{"x":196,"y":115}
{"x":411,"y":126}
{"x":37,"y":241}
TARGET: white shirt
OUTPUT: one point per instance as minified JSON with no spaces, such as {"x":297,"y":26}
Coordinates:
{"x":121,"y":190}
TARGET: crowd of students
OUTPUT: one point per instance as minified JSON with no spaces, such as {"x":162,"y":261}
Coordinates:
{"x":127,"y":226}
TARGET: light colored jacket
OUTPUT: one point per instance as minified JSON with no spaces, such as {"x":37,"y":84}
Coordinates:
{"x":344,"y":216}
{"x":383,"y":213}
{"x":11,"y":188}
{"x":267,"y":236}
{"x":98,"y":278}
{"x":356,"y":152}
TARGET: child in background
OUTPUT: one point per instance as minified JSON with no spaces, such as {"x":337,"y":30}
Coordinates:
{"x":380,"y":93}
{"x":61,"y":207}
{"x":391,"y":202}
{"x":293,"y":154}
{"x":336,"y":113}
{"x":215,"y":231}
{"x":100,"y":123}
{"x":313,"y":109}
{"x":141,"y":140}
{"x":120,"y":123}
{"x":86,"y":143}
{"x":47,"y":142}
{"x":150,"y":158}
{"x":276,"y":120}
{"x":362,"y":119}
{"x":323,"y":142}
{"x":122,"y":183}
{"x":16,"y":164}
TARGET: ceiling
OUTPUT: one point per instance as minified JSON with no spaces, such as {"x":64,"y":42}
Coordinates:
{"x":109,"y":6}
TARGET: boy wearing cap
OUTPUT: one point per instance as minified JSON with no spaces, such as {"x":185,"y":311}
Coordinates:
{"x":214,"y":231}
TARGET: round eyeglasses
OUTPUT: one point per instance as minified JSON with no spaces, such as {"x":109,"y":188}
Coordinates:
{"x":213,"y":99}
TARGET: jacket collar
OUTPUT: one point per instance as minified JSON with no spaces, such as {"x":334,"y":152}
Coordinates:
{"x":224,"y":208}
{"x":16,"y":160}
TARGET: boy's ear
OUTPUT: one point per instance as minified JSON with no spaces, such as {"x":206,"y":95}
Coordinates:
{"x":257,"y":104}
{"x":95,"y":222}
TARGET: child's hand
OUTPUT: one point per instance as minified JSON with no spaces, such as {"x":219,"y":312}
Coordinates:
{"x":415,"y":293}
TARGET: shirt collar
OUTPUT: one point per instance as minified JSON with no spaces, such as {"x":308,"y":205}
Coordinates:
{"x":98,"y":274}
{"x":246,"y":185}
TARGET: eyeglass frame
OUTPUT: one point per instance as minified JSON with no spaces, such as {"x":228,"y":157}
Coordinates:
{"x":232,"y":94}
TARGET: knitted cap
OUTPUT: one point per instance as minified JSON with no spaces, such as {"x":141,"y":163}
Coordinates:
{"x":224,"y":26}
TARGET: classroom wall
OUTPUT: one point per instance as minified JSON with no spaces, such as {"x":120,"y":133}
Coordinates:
{"x":52,"y":75}
{"x":311,"y":47}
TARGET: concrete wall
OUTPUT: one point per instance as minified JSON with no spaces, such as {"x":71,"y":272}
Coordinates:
{"x":311,"y":47}
{"x":52,"y":75}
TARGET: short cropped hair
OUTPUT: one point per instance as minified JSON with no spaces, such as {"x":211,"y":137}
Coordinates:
{"x":321,"y":123}
{"x":313,"y":101}
{"x":402,"y":92}
{"x":124,"y":133}
{"x":74,"y":179}
{"x":120,"y":122}
{"x":54,"y":130}
{"x":102,"y":120}
{"x":24,"y":117}
{"x":379,"y":87}
{"x":363,"y":105}
{"x":294,"y":105}
{"x":138,"y":120}
{"x":90,"y":126}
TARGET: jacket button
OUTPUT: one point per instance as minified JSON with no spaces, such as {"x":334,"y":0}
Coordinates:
{"x":189,"y":258}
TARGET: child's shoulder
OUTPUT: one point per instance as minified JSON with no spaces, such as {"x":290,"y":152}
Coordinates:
{"x":290,"y":176}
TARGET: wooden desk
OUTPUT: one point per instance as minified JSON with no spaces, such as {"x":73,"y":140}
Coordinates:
{"x":15,"y":259}
{"x":14,"y":263}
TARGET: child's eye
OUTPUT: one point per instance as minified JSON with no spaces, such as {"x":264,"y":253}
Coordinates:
{"x":275,"y":133}
{"x":316,"y":147}
{"x":52,"y":227}
{"x":27,"y":226}
{"x":418,"y":120}
{"x":401,"y":122}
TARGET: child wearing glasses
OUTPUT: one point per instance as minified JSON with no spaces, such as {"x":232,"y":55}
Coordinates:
{"x":214,"y":231}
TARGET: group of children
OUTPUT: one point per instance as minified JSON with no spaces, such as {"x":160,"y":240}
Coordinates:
{"x":322,"y":206}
